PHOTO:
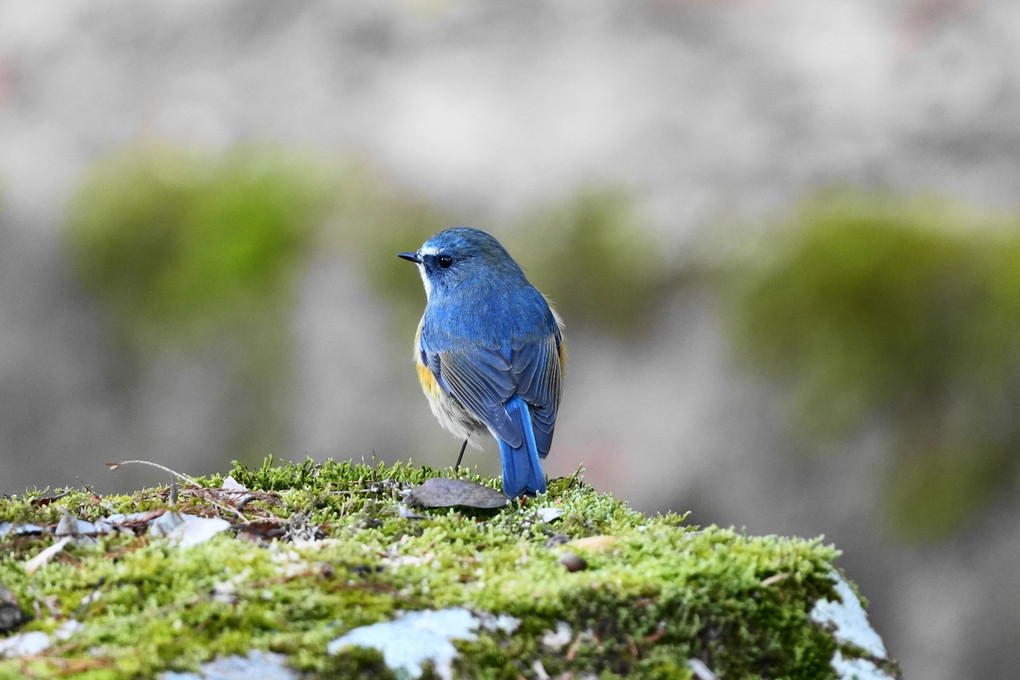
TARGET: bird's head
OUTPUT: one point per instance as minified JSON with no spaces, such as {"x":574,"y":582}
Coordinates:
{"x":460,"y":256}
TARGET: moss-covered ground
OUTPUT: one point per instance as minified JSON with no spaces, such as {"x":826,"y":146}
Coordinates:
{"x":320,"y":549}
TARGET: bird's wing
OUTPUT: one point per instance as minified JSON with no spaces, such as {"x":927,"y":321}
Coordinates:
{"x":481,"y":380}
{"x":538,"y":369}
{"x":484,"y":379}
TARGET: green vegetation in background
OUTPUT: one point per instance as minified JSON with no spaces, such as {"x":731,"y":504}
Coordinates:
{"x":178,"y":244}
{"x":656,"y":594}
{"x":181,"y":245}
{"x":903,"y":310}
{"x":188,"y":249}
{"x":374,"y":219}
{"x":592,"y":255}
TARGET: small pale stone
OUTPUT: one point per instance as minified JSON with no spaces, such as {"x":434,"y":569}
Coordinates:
{"x":594,"y":543}
{"x":573,"y":562}
{"x":549,"y":514}
{"x":559,"y":638}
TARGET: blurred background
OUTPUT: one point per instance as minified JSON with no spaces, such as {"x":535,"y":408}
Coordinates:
{"x":784,"y":235}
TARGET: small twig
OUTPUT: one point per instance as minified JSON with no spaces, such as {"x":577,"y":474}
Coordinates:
{"x":633,"y":648}
{"x":164,"y":468}
{"x":62,"y":665}
{"x":180,"y":475}
{"x":775,"y":578}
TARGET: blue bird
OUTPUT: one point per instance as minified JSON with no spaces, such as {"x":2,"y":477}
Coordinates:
{"x":489,"y":351}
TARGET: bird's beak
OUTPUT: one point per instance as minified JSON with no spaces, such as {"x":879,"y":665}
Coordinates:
{"x":410,"y":257}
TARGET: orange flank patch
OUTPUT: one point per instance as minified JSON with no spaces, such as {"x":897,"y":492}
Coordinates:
{"x":425,"y":377}
{"x":427,"y":380}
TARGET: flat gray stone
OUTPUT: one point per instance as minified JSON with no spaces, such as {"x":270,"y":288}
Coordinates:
{"x":440,"y":492}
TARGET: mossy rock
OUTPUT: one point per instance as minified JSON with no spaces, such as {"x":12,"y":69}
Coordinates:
{"x":318,"y":550}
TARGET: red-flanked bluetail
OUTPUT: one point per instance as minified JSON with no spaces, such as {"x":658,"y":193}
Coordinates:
{"x":489,"y":351}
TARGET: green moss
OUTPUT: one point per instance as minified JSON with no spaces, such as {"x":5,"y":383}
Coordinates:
{"x":356,"y":663}
{"x":663,"y":592}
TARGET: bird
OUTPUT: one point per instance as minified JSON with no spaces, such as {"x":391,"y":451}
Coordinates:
{"x":489,"y":352}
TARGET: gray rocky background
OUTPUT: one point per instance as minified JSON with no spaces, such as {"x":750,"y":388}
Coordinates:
{"x":709,"y":112}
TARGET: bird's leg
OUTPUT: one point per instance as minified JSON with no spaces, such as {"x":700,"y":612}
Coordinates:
{"x":461,"y":456}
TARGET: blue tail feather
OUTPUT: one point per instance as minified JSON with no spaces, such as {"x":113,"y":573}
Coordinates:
{"x":522,"y":471}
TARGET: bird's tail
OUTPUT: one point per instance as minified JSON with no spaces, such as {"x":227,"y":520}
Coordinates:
{"x":522,"y":472}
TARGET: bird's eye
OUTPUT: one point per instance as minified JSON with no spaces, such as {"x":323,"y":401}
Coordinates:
{"x":444,"y":261}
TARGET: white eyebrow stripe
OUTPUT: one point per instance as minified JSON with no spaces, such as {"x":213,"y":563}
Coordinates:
{"x":428,"y":250}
